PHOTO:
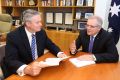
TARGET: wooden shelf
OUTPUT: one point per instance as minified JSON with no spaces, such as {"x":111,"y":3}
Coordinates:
{"x":16,"y":10}
{"x":6,"y":6}
{"x":25,"y":6}
{"x":80,"y":19}
{"x":56,"y":6}
{"x":83,"y":6}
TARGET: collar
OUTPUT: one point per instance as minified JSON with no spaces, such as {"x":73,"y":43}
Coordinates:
{"x":28,"y":33}
{"x":95,"y":35}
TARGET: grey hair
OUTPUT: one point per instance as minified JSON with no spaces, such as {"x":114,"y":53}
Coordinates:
{"x":99,"y":20}
{"x":28,"y":14}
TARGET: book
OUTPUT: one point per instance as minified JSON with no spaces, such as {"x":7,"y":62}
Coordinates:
{"x":61,"y":2}
{"x":64,"y":2}
{"x":54,"y":2}
{"x":72,"y":2}
{"x":68,"y":2}
{"x":57,"y":2}
{"x":79,"y":2}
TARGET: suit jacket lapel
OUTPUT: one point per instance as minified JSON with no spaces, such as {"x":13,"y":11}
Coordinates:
{"x":39,"y":43}
{"x":25,"y":40}
{"x":87,"y":39}
{"x":97,"y":39}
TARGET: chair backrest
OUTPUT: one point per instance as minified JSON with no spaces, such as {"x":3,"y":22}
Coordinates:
{"x":2,"y":52}
{"x":5,"y":23}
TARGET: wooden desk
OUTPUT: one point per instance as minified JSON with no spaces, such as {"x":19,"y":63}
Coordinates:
{"x":67,"y":71}
{"x":61,"y":38}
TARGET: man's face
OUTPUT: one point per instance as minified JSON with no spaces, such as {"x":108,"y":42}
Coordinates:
{"x":92,"y":27}
{"x":35,"y":24}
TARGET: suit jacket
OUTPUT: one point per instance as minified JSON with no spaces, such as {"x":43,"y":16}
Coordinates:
{"x":104,"y":48}
{"x":18,"y":51}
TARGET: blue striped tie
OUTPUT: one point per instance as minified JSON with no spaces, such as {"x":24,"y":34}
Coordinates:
{"x":33,"y":44}
{"x":91,"y":44}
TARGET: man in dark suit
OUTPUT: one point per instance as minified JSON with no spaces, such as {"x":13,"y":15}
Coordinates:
{"x":97,"y":42}
{"x":25,"y":44}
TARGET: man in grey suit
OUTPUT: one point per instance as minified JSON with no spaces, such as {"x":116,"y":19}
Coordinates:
{"x":97,"y":42}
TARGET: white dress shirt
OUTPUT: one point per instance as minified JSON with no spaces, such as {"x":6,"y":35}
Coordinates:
{"x":29,"y":34}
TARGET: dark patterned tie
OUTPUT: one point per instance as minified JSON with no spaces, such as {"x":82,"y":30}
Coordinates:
{"x":33,"y":44}
{"x":91,"y":44}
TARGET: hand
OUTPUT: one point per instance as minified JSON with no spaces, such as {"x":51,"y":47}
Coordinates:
{"x":62,"y":55}
{"x":42,"y":64}
{"x":33,"y":69}
{"x":87,"y":57}
{"x":73,"y":47}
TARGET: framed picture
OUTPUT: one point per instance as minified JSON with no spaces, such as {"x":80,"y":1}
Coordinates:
{"x":89,"y":2}
{"x":49,"y":17}
{"x":68,"y":18}
{"x":81,"y":25}
{"x":58,"y":18}
{"x":17,"y":22}
{"x":78,"y":15}
{"x":87,"y":15}
{"x":79,"y":2}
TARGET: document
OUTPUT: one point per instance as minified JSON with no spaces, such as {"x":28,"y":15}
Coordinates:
{"x":58,"y":18}
{"x":49,"y":17}
{"x":68,"y":18}
{"x":53,"y":61}
{"x":79,"y":63}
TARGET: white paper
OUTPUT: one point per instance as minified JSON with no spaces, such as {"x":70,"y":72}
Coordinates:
{"x":49,"y":17}
{"x":68,"y":18}
{"x":58,"y":18}
{"x":53,"y":61}
{"x":79,"y":63}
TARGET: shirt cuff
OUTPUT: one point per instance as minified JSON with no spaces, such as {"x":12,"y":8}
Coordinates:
{"x":20,"y":70}
{"x":94,"y":58}
{"x":73,"y":53}
{"x":59,"y":53}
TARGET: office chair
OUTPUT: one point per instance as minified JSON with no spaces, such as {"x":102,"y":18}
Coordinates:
{"x":5,"y":23}
{"x":2,"y":54}
{"x":5,"y":27}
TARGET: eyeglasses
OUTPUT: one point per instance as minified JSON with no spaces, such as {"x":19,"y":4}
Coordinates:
{"x":91,"y":26}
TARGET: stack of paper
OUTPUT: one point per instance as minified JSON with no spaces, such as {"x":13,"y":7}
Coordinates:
{"x":80,"y":63}
{"x":53,"y":61}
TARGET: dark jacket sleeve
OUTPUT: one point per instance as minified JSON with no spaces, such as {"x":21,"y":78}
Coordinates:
{"x":111,"y":53}
{"x":11,"y":54}
{"x":51,"y":46}
{"x":78,"y":41}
